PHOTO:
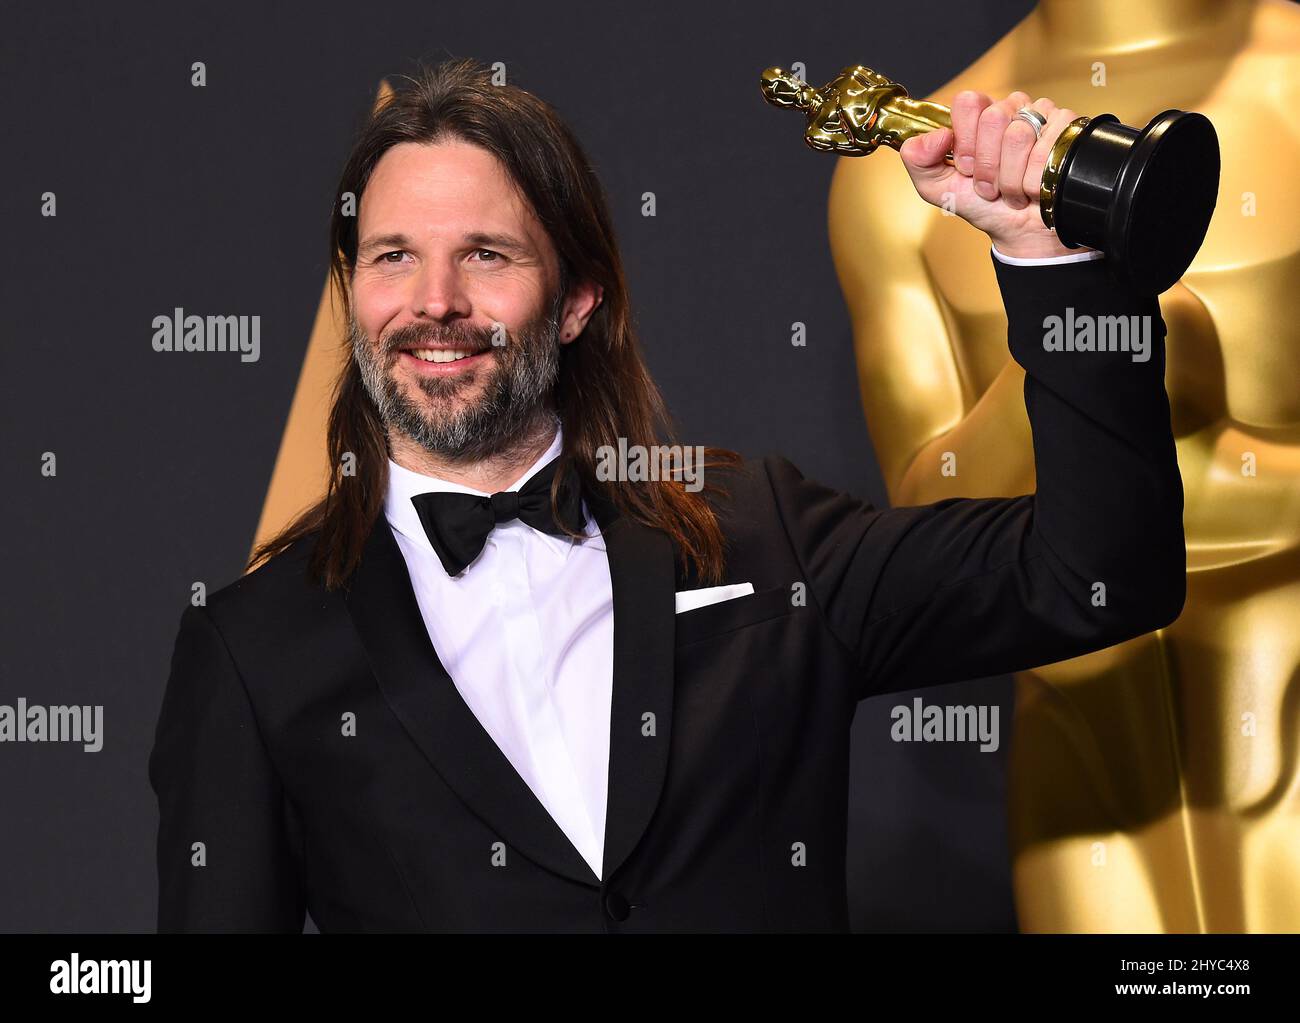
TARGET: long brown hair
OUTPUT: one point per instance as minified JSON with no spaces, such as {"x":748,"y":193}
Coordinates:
{"x":604,"y":391}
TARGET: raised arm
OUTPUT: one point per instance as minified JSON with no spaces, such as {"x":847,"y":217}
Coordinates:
{"x":973,"y":586}
{"x":970,"y":587}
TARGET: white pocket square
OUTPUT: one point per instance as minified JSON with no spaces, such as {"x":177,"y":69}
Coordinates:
{"x":688,"y":600}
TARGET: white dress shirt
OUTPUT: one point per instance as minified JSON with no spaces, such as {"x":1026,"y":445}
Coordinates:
{"x":526,"y":633}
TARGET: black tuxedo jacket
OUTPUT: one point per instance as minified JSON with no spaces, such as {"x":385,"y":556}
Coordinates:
{"x":729,"y":731}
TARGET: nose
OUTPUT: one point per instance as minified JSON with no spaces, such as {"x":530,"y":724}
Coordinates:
{"x":439,"y":293}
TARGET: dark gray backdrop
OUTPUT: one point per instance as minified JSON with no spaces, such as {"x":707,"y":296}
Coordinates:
{"x":216,"y":199}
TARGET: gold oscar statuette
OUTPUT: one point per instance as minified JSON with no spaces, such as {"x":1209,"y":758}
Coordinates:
{"x":1142,"y":196}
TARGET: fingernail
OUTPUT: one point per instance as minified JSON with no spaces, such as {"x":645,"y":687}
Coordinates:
{"x":986,"y":190}
{"x":966,"y":164}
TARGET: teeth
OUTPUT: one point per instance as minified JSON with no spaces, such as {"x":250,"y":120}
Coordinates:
{"x":439,"y":354}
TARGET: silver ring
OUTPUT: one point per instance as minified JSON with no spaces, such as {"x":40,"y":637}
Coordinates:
{"x":1034,"y":119}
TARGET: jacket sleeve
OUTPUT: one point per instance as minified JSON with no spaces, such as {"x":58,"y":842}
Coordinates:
{"x":225,"y":859}
{"x":970,"y":587}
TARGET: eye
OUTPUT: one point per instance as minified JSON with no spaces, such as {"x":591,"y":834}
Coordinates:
{"x":383,"y":257}
{"x":497,"y":257}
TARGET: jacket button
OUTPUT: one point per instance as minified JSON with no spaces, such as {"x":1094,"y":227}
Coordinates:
{"x":616,"y":906}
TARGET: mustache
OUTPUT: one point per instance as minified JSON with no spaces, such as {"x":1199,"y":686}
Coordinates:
{"x":474,"y":338}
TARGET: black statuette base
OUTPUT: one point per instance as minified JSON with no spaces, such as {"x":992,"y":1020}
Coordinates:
{"x":1144,"y":197}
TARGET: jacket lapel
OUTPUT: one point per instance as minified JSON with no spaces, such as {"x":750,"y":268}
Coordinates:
{"x":425,"y":699}
{"x":641,"y":568}
{"x":431,"y":709}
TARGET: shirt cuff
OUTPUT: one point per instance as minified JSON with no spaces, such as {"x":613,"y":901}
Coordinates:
{"x":1074,"y":257}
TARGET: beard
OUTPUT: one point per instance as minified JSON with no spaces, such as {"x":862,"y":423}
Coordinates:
{"x":517,"y":399}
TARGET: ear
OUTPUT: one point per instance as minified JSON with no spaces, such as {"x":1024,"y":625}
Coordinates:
{"x":583,"y":299}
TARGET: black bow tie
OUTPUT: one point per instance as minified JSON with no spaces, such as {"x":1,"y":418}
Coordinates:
{"x":458,"y":524}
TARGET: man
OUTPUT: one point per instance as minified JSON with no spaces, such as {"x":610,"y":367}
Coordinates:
{"x":483,"y":686}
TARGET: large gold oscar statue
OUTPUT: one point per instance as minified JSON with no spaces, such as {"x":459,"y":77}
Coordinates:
{"x":1154,"y":786}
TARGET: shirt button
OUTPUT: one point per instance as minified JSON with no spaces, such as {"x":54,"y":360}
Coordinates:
{"x":616,"y":906}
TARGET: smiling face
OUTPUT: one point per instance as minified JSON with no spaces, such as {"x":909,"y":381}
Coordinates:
{"x":456,"y":314}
